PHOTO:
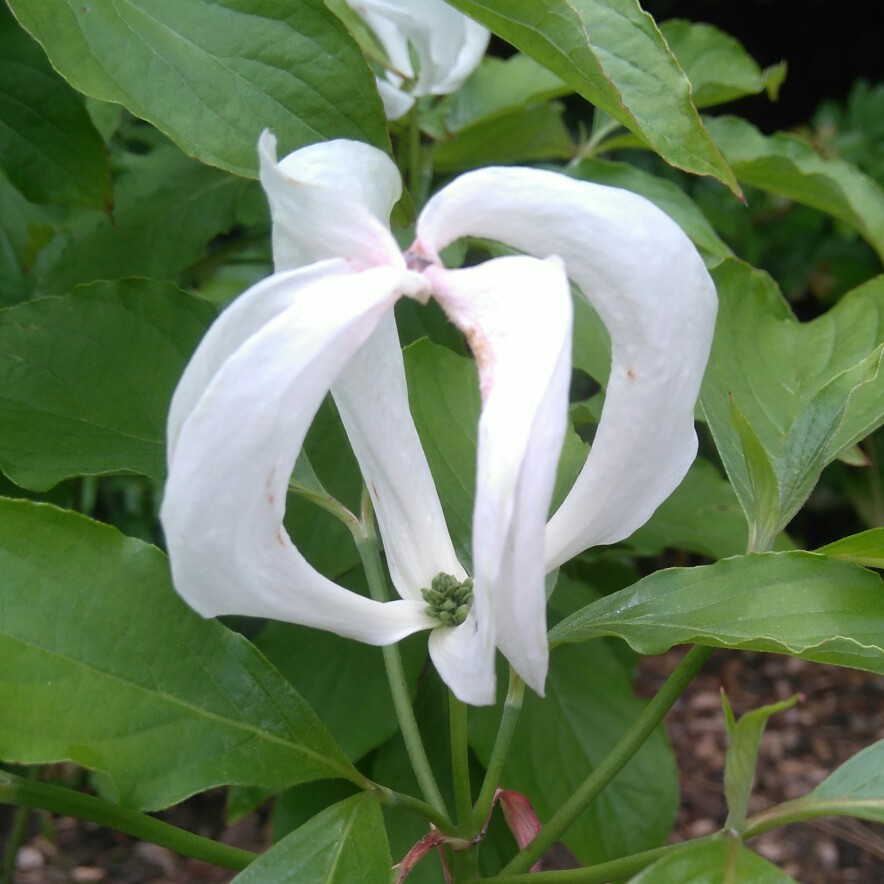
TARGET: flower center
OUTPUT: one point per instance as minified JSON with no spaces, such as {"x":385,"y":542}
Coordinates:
{"x":449,"y":600}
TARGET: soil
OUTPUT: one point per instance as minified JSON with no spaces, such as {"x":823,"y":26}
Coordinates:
{"x":842,"y":712}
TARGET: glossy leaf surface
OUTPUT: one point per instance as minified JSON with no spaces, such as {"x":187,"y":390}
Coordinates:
{"x":343,"y":844}
{"x":614,"y":56}
{"x":86,"y":379}
{"x":104,"y":665}
{"x":212,"y":76}
{"x":795,"y":603}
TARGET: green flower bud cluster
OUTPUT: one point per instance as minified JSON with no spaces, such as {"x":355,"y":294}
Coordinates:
{"x":449,"y":600}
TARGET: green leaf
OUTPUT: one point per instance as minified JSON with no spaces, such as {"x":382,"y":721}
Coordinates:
{"x":764,"y":515}
{"x":717,"y":861}
{"x":350,"y":686}
{"x":444,"y":397}
{"x":166,"y":209}
{"x":213,"y":75}
{"x":788,"y":166}
{"x":744,"y":737}
{"x":664,"y":194}
{"x":807,"y":390}
{"x":560,"y":739}
{"x":795,"y":603}
{"x":345,"y":843}
{"x":719,"y":68}
{"x":865,"y":548}
{"x":525,"y":135}
{"x":613,"y":55}
{"x":702,"y":516}
{"x":50,"y":150}
{"x":498,"y":87}
{"x":24,"y":230}
{"x":86,"y":379}
{"x":107,"y":667}
{"x":854,"y":789}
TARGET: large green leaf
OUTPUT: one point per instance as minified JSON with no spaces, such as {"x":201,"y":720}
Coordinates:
{"x":664,"y":194}
{"x":702,"y":515}
{"x":167,"y":207}
{"x":444,"y":397}
{"x":24,"y":229}
{"x":524,"y":135}
{"x":806,"y":390}
{"x":865,"y":548}
{"x":102,"y":663}
{"x":719,"y":68}
{"x":343,"y":844}
{"x":560,"y":739}
{"x":498,"y":87}
{"x":611,"y":52}
{"x":717,"y":861}
{"x":49,"y":148}
{"x":86,"y":379}
{"x":213,"y":75}
{"x":795,"y":603}
{"x":787,"y":165}
{"x":348,"y":685}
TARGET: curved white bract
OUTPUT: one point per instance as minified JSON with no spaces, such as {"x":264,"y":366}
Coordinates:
{"x":649,"y":285}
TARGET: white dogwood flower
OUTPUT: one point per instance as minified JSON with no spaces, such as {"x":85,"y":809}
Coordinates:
{"x":324,"y":322}
{"x":447,"y":44}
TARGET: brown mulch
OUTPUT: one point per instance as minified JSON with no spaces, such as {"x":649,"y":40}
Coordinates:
{"x":842,"y":713}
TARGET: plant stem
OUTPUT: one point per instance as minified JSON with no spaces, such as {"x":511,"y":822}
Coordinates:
{"x":460,"y":765}
{"x":614,"y":870}
{"x":512,"y":707}
{"x":31,"y":793}
{"x":799,"y":810}
{"x":398,"y":799}
{"x":377,"y":585}
{"x":17,"y":832}
{"x":610,"y":766}
{"x":415,"y":159}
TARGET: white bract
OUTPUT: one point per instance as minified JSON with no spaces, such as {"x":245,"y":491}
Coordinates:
{"x":324,"y":322}
{"x":447,"y":44}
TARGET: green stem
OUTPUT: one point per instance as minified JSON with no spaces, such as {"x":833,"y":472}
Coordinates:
{"x":17,"y":833}
{"x":31,"y":793}
{"x":512,"y":707}
{"x":798,"y":811}
{"x":615,"y":870}
{"x":398,"y":799}
{"x":415,"y":159}
{"x":460,"y":765}
{"x":377,"y":585}
{"x":610,"y":766}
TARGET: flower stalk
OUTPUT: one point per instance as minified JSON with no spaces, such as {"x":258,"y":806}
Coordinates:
{"x":369,"y":553}
{"x":615,"y":761}
{"x":31,"y":793}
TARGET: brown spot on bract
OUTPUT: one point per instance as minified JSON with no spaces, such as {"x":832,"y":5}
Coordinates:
{"x":279,"y":538}
{"x":630,"y":373}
